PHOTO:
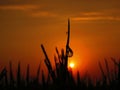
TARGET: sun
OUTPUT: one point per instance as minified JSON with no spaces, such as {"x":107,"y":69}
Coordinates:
{"x":71,"y":65}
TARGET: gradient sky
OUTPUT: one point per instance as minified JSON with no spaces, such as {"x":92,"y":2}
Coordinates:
{"x":26,"y":24}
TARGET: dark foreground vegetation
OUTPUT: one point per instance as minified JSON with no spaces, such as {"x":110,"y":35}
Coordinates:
{"x":60,"y":78}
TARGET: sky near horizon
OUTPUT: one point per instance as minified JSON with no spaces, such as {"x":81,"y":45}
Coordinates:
{"x":26,"y":24}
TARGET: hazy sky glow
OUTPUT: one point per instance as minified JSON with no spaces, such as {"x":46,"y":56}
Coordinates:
{"x":25,"y":24}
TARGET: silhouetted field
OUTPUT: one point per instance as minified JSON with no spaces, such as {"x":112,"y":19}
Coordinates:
{"x":60,"y":78}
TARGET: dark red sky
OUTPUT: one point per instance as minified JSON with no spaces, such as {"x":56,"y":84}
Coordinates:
{"x":25,"y":24}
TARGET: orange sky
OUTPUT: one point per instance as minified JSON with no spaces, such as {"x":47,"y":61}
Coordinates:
{"x":26,"y":24}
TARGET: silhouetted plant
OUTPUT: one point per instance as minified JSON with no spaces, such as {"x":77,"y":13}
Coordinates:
{"x":18,"y":76}
{"x":48,"y":64}
{"x":28,"y":75}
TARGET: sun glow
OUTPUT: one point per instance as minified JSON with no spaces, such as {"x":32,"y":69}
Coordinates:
{"x":72,"y":65}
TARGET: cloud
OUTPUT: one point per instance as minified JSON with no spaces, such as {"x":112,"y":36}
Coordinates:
{"x":31,"y":10}
{"x":111,"y":15}
{"x":96,"y":18}
{"x":43,"y":14}
{"x":91,"y":13}
{"x":19,"y":7}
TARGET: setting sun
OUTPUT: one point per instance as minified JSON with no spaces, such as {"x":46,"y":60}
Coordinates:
{"x":71,"y":65}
